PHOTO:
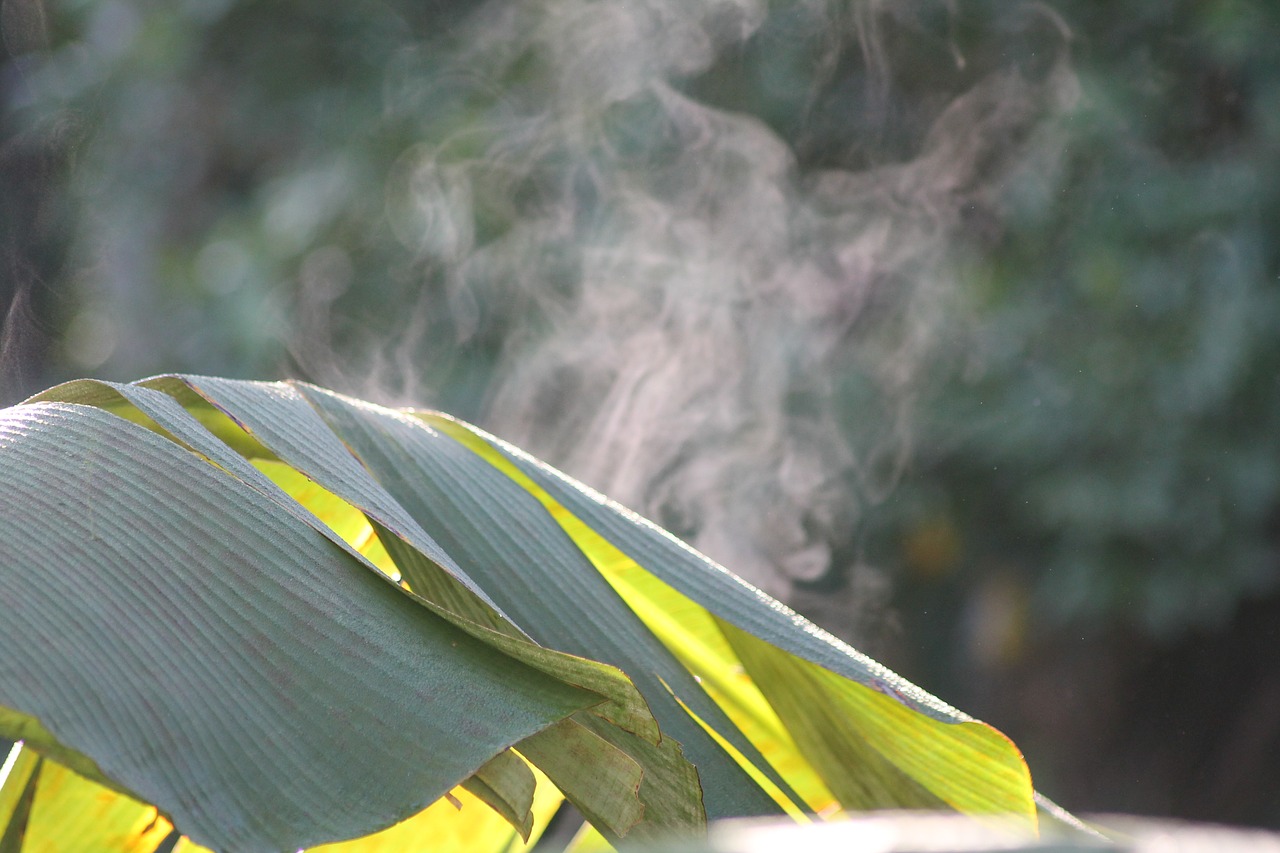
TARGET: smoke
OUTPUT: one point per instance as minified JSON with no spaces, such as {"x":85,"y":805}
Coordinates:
{"x":697,"y":318}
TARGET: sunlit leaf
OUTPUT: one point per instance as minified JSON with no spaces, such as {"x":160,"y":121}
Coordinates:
{"x":684,"y":627}
{"x":463,"y":826}
{"x":874,"y":739}
{"x":66,"y":812}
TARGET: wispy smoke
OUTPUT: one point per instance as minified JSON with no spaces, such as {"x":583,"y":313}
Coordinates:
{"x":693,"y":322}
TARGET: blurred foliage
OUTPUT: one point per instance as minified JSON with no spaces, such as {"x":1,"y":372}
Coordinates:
{"x":237,"y":169}
{"x":1109,"y":436}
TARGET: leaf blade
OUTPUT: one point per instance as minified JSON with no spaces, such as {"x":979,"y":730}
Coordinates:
{"x":298,"y":628}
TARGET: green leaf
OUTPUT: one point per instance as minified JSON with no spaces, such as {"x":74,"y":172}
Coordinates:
{"x":281,"y":418}
{"x":506,"y":785}
{"x":27,"y":729}
{"x":589,"y":770}
{"x":223,"y":659}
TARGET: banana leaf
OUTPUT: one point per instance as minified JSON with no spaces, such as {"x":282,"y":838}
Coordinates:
{"x":276,"y":618}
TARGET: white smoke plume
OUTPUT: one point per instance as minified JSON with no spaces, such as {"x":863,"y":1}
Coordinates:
{"x":694,"y":323}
